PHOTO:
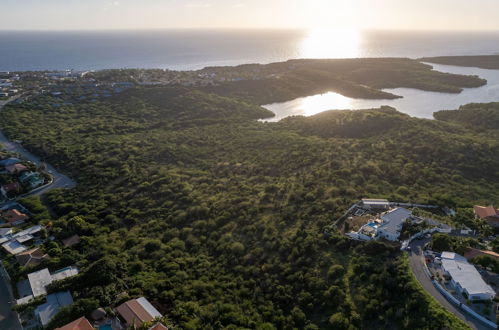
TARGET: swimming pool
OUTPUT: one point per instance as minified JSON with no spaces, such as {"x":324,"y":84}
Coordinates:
{"x":373,"y":224}
{"x":105,"y":327}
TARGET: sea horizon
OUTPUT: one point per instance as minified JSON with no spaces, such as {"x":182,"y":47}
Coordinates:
{"x":192,"y":49}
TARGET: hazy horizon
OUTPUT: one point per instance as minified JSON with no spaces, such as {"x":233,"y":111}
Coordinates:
{"x":426,"y":15}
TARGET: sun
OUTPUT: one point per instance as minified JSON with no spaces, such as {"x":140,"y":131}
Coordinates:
{"x":331,"y":43}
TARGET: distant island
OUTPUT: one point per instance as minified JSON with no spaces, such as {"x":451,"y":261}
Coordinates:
{"x":481,"y":61}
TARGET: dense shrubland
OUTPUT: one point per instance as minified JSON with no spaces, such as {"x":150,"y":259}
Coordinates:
{"x":218,"y":219}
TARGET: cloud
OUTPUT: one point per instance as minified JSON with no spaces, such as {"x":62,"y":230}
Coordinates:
{"x":239,"y":5}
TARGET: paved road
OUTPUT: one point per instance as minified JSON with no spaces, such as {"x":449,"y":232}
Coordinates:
{"x":59,"y":180}
{"x":8,"y":318}
{"x":417,"y":263}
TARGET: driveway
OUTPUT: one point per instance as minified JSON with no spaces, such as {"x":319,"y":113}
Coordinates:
{"x":59,"y":180}
{"x":417,"y":263}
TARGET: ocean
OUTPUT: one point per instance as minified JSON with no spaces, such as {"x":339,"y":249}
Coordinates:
{"x":195,"y":49}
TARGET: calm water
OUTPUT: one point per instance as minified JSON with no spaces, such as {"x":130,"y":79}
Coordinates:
{"x":415,"y":102}
{"x":193,"y":49}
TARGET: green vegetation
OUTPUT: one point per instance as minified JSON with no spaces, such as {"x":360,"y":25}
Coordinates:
{"x":480,"y":116}
{"x":358,"y":78}
{"x":481,"y":61}
{"x":218,"y":219}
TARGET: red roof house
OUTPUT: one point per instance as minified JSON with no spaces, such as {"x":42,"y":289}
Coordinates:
{"x":14,"y":216}
{"x":487,"y":213}
{"x":80,"y":324}
{"x":137,"y":311}
{"x":16,"y":168}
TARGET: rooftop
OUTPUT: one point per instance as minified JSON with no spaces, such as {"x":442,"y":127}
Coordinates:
{"x":54,"y":303}
{"x":393,"y":220}
{"x":14,"y":247}
{"x":375,"y":201}
{"x":485,"y":211}
{"x":80,"y":324}
{"x":38,"y":282}
{"x":138,"y":311}
{"x":465,"y":274}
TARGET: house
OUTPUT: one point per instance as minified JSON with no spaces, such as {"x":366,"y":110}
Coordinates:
{"x":24,"y":177}
{"x":392,"y":222}
{"x":375,"y":204}
{"x":39,"y":281}
{"x":5,"y":232}
{"x":14,"y":217}
{"x":158,"y":326}
{"x":55,"y":302}
{"x":32,"y":257}
{"x":137,"y":311}
{"x":14,"y":247}
{"x":16,"y":168}
{"x":487,"y":213}
{"x":465,"y":278}
{"x":32,"y":179}
{"x":10,"y":188}
{"x":36,"y":181}
{"x":9,"y":161}
{"x":80,"y":324}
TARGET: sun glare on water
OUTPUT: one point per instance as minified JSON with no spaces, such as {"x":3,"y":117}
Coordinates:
{"x":331,"y":43}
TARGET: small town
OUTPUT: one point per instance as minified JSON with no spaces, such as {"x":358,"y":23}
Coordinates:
{"x":468,"y":280}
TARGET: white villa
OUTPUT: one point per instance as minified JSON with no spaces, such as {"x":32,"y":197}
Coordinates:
{"x":465,"y":278}
{"x":388,"y":226}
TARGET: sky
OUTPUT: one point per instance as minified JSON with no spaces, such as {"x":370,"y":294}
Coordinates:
{"x":308,"y":14}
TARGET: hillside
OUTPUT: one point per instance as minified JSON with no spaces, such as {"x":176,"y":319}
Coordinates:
{"x":218,"y":219}
{"x":474,"y":115}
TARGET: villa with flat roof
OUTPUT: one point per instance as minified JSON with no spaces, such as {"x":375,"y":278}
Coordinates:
{"x":388,"y":226}
{"x":465,"y":278}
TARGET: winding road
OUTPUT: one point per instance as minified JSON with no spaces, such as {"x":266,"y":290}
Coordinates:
{"x":9,"y":319}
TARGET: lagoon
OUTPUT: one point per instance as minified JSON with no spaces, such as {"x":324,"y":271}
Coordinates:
{"x":414,"y":102}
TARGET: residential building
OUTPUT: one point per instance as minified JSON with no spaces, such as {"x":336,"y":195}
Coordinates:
{"x":375,"y":204}
{"x":14,"y":217}
{"x":137,"y":311}
{"x":465,"y":278}
{"x":14,"y":247}
{"x":158,"y":326}
{"x":39,"y":281}
{"x":55,"y":302}
{"x":80,"y":324}
{"x":32,"y":257}
{"x":9,"y":161}
{"x":10,"y":188}
{"x":487,"y":213}
{"x":16,"y":168}
{"x":392,"y":222}
{"x":5,"y":232}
